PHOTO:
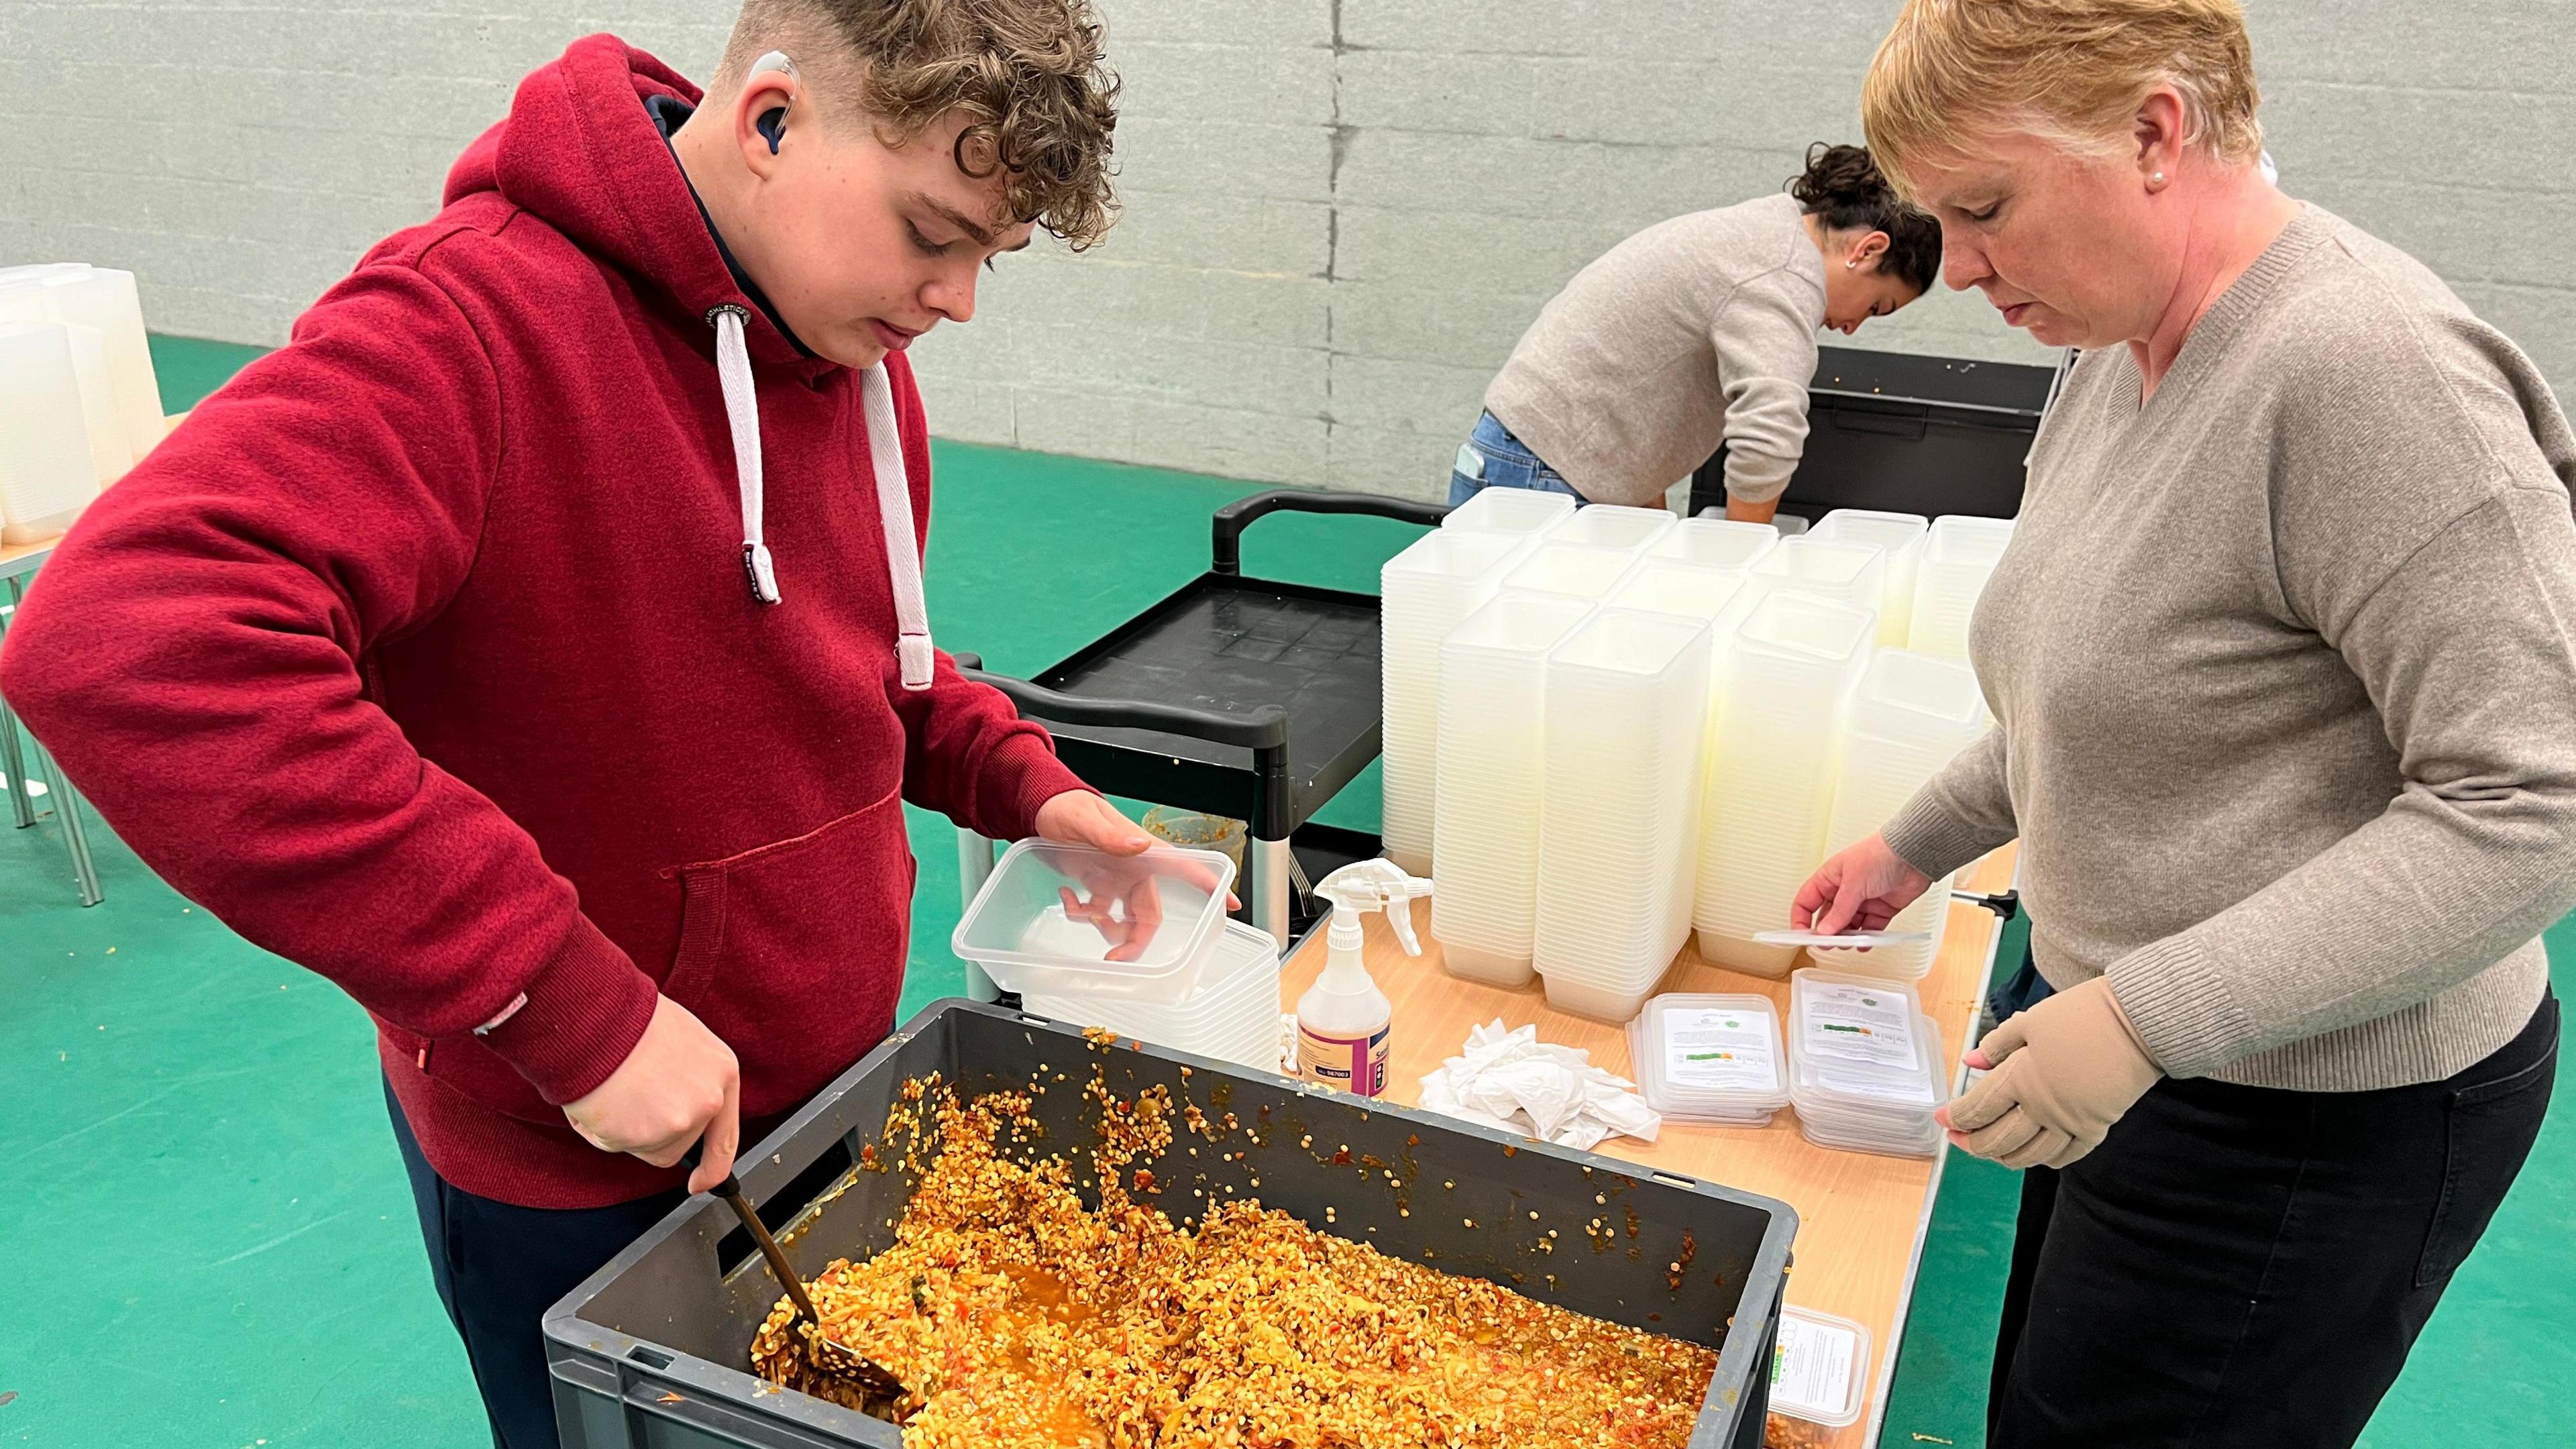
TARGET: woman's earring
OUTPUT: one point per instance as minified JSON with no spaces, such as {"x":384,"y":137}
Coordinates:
{"x":2156,"y":179}
{"x":1850,"y":265}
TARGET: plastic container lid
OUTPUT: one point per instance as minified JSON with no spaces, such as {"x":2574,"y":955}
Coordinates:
{"x":1819,"y":1367}
{"x":1865,"y":1064}
{"x":1020,"y":930}
{"x":1710,"y":1057}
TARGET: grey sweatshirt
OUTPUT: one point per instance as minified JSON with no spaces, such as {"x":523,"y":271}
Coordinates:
{"x":1694,"y":331}
{"x":2286,"y":684}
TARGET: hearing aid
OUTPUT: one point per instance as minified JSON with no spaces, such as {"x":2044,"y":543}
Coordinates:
{"x":772,"y":123}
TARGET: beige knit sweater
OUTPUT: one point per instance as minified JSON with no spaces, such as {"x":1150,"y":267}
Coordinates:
{"x":2286,"y":680}
{"x":1694,"y":331}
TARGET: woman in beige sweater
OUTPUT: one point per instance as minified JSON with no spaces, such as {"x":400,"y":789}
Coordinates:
{"x":1697,"y":331}
{"x":2282,"y":661}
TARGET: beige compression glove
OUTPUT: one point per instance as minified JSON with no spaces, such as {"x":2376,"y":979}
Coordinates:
{"x":2063,"y":1072}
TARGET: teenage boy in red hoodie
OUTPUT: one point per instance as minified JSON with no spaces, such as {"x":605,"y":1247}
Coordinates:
{"x":534,"y":645}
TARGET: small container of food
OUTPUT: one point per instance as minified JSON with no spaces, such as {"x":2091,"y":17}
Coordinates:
{"x":1819,"y":1368}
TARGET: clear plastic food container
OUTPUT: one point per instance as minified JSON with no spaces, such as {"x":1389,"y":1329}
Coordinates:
{"x":1070,"y":920}
{"x":1710,"y":1058}
{"x":1819,"y":1367}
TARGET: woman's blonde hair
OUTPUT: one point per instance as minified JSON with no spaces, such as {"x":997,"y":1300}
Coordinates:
{"x":2072,"y":71}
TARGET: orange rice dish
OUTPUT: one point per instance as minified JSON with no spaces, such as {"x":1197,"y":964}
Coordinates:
{"x":1018,"y":1318}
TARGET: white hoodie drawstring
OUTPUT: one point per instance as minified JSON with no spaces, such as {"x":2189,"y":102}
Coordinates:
{"x":894,"y":492}
{"x":894,"y":509}
{"x":742,"y":411}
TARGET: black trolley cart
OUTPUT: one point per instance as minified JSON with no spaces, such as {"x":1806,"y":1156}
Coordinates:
{"x":1243,"y":697}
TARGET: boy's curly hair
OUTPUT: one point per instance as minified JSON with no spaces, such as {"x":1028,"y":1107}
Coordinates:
{"x":1039,"y":103}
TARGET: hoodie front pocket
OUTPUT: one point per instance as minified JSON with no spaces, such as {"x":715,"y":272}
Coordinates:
{"x":794,"y":952}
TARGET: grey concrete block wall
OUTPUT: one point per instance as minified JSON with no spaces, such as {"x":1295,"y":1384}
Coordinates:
{"x":1339,"y":213}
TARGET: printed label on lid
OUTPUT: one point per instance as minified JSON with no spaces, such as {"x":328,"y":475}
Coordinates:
{"x":1352,"y":1063}
{"x":1859,"y":1024}
{"x":1812,"y":1369}
{"x":1720,"y":1050}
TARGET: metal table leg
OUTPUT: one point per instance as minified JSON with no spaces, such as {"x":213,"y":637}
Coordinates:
{"x":1267,"y":890}
{"x":14,"y":763}
{"x":67,"y":811}
{"x":11,"y":760}
{"x":974,"y":867}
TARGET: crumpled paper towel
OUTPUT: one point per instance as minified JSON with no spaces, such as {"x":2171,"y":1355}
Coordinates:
{"x":1512,"y":1080}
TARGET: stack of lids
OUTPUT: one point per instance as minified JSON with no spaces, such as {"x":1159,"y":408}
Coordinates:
{"x":1710,"y":1058}
{"x":1865,"y":1065}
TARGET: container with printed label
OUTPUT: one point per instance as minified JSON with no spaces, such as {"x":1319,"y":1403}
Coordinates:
{"x":1819,"y":1367}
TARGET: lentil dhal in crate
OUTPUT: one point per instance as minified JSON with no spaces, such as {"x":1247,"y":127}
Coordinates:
{"x":654,"y":1349}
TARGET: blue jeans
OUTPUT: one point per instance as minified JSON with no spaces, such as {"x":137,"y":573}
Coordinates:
{"x":1493,"y":458}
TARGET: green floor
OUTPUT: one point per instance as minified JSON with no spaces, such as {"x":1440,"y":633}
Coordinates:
{"x":207,"y":1242}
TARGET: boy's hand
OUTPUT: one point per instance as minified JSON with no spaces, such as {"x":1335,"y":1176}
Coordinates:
{"x":1860,"y":888}
{"x":681,"y":1084}
{"x":1078,"y":817}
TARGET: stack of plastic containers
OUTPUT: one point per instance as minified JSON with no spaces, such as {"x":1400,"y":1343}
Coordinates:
{"x":1666,"y":586}
{"x":1626,"y":695}
{"x":1424,"y":592}
{"x":1569,"y":570}
{"x":1715,"y":597}
{"x":1866,"y":1070}
{"x":1232,"y":1016}
{"x":1063,"y":920}
{"x":1710,"y":1058}
{"x":1716,"y":543}
{"x":1510,"y":510}
{"x":1913,"y":713}
{"x":1958,"y":556}
{"x":1900,"y":536}
{"x":1787,"y":683}
{"x":47,"y":473}
{"x":1485,"y":821}
{"x":102,"y":317}
{"x":1059,"y":924}
{"x":1608,"y":526}
{"x":1849,"y":574}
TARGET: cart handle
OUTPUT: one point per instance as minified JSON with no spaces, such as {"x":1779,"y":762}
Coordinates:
{"x":1265,"y":728}
{"x":1226,"y":551}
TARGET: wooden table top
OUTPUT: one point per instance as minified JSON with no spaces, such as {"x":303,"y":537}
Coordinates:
{"x":1861,"y":1217}
{"x":22,"y":558}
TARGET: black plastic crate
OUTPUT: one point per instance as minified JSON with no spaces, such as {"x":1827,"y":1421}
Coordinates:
{"x":653,"y":1350}
{"x":1902,"y":432}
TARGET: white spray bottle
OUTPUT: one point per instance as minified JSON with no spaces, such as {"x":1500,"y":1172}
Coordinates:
{"x":1342,"y":1019}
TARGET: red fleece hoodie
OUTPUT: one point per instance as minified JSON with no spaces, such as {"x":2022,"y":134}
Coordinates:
{"x":423,"y":655}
